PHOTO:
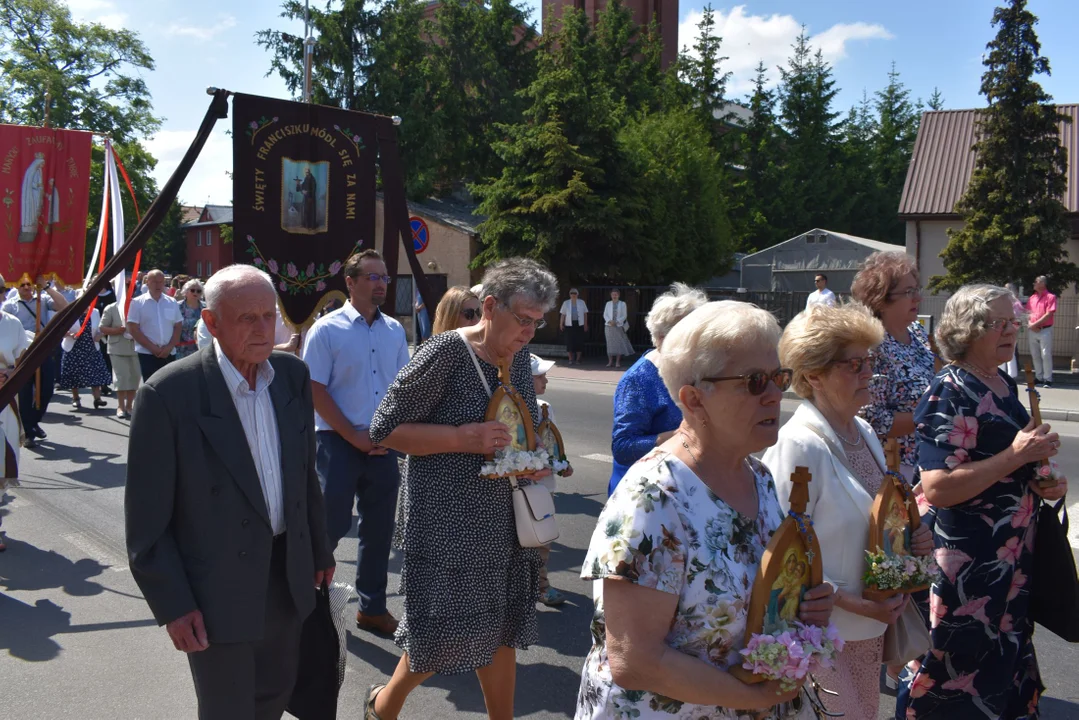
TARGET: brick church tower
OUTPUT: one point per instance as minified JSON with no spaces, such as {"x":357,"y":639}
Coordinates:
{"x":664,"y":12}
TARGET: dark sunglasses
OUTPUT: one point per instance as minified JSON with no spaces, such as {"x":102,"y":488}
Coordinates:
{"x":470,"y":313}
{"x":757,"y":382}
{"x":196,"y":291}
{"x":855,"y":364}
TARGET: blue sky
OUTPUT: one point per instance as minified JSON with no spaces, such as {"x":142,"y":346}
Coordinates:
{"x":935,"y":43}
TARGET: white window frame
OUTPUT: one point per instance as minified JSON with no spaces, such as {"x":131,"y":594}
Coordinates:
{"x":209,"y":268}
{"x":198,"y":238}
{"x":198,"y":268}
{"x":209,"y":237}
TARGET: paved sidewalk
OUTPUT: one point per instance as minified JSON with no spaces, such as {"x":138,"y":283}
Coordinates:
{"x":1059,"y":403}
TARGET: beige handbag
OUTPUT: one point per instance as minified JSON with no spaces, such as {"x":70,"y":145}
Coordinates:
{"x":533,"y":506}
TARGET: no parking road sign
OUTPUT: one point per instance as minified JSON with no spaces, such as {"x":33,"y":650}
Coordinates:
{"x":420,"y":234}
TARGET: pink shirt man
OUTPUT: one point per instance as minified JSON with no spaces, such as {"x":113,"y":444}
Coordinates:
{"x":1041,"y":306}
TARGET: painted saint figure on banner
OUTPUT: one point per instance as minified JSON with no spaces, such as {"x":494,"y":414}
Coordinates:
{"x":787,"y":591}
{"x":33,"y":200}
{"x":305,"y":201}
{"x":510,"y":416}
{"x":897,"y":529}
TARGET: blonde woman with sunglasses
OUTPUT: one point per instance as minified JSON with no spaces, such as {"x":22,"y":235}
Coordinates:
{"x":458,"y":308}
{"x":829,"y":351}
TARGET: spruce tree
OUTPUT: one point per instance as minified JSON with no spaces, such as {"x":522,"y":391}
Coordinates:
{"x":893,"y":144}
{"x":1015,"y":226}
{"x":760,"y":186}
{"x":703,"y":72}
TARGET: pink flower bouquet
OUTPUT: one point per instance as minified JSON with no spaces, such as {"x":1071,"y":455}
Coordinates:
{"x":791,"y":654}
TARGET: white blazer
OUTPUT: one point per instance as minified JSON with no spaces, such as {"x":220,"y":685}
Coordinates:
{"x":838,"y":504}
{"x":620,"y":315}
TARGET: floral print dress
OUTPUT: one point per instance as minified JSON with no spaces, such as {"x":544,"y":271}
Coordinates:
{"x":664,"y":529}
{"x":901,"y":374}
{"x":982,"y":662}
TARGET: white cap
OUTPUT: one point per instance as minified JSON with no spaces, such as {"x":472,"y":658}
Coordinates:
{"x":540,"y":366}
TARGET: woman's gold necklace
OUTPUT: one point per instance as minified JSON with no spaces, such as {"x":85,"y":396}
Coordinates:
{"x":977,"y":371}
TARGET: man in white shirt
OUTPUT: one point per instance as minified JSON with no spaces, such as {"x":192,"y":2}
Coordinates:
{"x":354,"y":354}
{"x":154,"y":322}
{"x":822,"y":295}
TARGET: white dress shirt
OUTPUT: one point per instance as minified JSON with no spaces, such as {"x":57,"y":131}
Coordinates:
{"x":156,"y":319}
{"x":256,"y":411}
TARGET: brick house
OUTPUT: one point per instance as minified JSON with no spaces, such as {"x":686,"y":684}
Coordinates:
{"x":205,"y":252}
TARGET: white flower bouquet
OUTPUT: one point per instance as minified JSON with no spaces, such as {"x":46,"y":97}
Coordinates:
{"x":516,"y":462}
{"x":790,"y":654}
{"x":902,"y":573}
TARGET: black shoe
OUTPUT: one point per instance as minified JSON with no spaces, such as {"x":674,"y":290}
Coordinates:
{"x":106,"y":391}
{"x":38,"y":433}
{"x":99,"y":404}
{"x":29,"y":442}
{"x":1047,"y":384}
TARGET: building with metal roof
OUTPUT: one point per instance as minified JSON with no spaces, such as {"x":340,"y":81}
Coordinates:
{"x":792,"y":264}
{"x":940,"y":169}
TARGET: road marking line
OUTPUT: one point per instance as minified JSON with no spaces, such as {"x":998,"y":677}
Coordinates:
{"x":599,"y":457}
{"x":1073,"y":525}
{"x":96,"y":551}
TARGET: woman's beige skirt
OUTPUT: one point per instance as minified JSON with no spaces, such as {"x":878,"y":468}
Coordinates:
{"x":617,"y":341}
{"x":127,"y":372}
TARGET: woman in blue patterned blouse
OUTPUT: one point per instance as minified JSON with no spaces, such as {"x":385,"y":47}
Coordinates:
{"x":888,"y":285}
{"x":644,"y":413}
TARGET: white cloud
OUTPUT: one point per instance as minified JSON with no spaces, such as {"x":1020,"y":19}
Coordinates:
{"x":207,"y":181}
{"x":750,"y":39}
{"x":103,"y":12}
{"x":202,"y":33}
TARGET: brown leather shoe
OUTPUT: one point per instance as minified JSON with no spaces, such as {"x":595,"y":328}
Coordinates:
{"x":384,"y":623}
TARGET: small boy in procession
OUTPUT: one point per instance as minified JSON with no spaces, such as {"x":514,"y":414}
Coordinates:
{"x":548,"y":595}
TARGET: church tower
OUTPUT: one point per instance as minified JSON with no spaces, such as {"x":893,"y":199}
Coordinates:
{"x":664,"y":12}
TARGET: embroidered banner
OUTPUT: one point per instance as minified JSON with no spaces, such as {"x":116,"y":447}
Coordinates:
{"x":303,"y":196}
{"x":44,"y":201}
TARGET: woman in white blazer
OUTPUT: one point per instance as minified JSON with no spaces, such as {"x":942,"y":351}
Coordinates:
{"x":616,"y":322}
{"x":828,"y":350}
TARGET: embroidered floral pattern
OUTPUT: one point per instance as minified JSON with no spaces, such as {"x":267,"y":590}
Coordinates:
{"x":293,"y":280}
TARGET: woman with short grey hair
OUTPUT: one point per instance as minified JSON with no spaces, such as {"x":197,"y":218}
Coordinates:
{"x":645,"y":415}
{"x":977,"y":454}
{"x":677,"y":547}
{"x":470,"y":589}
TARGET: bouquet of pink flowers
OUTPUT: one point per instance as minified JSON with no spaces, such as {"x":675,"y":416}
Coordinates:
{"x":790,"y":654}
{"x":1049,"y":473}
{"x":899,"y":573}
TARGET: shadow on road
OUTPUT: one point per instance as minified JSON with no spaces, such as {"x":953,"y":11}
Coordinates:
{"x":1058,"y":709}
{"x":29,"y":568}
{"x":96,"y":467}
{"x":571,"y":503}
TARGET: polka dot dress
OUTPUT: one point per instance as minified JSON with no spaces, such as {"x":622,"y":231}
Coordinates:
{"x":469,"y":587}
{"x":84,"y":365}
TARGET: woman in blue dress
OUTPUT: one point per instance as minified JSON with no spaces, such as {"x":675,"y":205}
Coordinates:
{"x":645,"y":415}
{"x":977,"y":451}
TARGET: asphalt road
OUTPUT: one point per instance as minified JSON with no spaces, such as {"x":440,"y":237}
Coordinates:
{"x":77,"y":640}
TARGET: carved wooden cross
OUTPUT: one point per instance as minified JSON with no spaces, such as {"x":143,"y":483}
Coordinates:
{"x":801,"y":478}
{"x":892,"y":455}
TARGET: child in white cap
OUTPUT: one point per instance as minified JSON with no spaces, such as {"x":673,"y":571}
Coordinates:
{"x":548,"y":595}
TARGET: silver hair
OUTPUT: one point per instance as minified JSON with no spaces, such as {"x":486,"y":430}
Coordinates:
{"x":229,"y":278}
{"x":670,"y":307}
{"x":192,"y":283}
{"x":702,"y":344}
{"x":521,"y":279}
{"x":965,"y":318}
{"x":1042,"y":279}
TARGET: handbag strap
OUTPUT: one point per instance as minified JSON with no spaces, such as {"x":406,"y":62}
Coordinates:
{"x":475,"y":362}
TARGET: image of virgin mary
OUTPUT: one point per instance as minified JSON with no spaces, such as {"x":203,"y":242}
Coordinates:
{"x":33,"y":198}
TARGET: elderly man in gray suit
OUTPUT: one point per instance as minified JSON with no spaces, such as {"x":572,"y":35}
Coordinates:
{"x":225,"y":520}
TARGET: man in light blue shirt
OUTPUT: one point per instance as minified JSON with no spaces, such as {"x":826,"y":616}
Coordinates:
{"x":354,"y":354}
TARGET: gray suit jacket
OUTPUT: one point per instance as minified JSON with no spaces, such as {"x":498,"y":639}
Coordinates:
{"x":198,"y":532}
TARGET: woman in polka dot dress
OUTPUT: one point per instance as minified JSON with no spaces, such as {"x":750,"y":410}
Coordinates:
{"x":470,"y":589}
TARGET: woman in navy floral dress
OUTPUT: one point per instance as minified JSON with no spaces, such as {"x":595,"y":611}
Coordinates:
{"x":976,"y":456}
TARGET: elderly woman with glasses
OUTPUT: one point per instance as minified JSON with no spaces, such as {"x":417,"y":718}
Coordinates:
{"x":828,"y":349}
{"x":645,"y":414}
{"x":977,"y":454}
{"x":191,"y":306}
{"x":677,"y":547}
{"x":470,"y":589}
{"x":888,"y":284}
{"x":458,"y":308}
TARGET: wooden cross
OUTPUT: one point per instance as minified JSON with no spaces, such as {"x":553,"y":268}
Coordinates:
{"x":892,"y":455}
{"x":1036,"y":416}
{"x":504,"y":373}
{"x":801,"y":478}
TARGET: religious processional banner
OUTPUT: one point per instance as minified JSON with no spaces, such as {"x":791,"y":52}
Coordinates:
{"x":303,"y":197}
{"x":44,"y":201}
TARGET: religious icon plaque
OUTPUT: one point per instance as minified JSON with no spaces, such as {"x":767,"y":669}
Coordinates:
{"x":509,"y":408}
{"x":790,"y":566}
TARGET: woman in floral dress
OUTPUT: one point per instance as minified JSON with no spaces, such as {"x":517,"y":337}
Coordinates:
{"x":888,"y":284}
{"x":678,"y":545}
{"x":191,"y":305}
{"x":977,"y":451}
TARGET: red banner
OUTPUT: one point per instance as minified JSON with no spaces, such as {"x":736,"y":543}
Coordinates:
{"x":44,"y":201}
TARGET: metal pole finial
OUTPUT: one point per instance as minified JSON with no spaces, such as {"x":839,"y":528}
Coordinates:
{"x":396,"y":119}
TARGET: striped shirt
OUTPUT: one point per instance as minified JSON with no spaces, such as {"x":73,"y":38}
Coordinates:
{"x":259,"y":421}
